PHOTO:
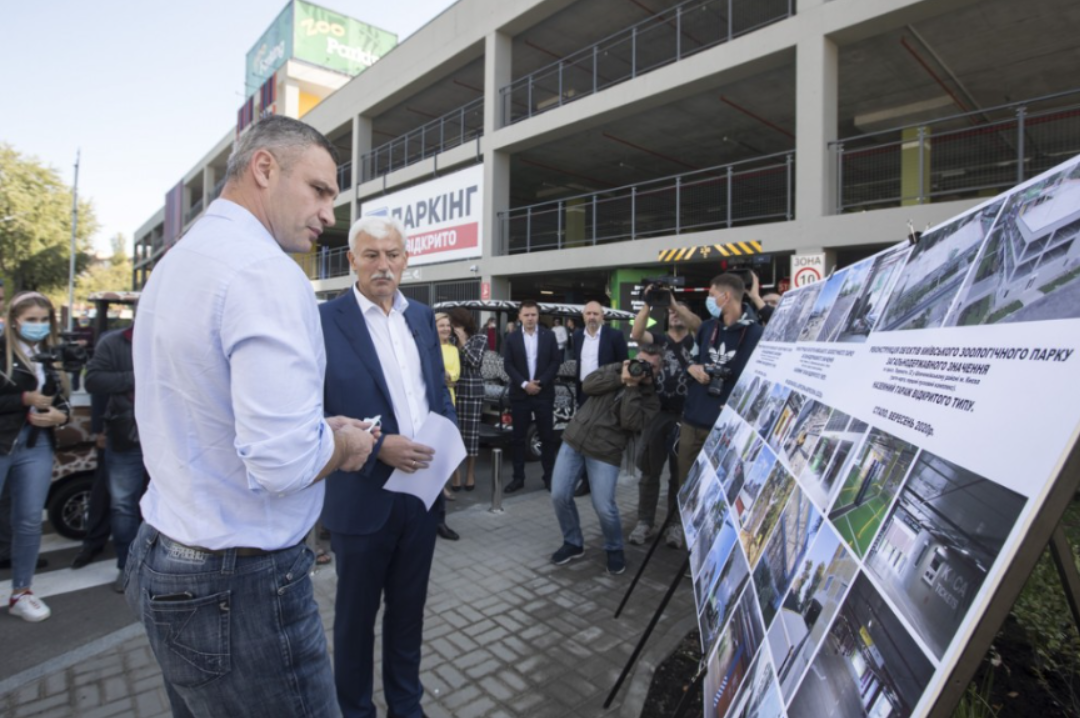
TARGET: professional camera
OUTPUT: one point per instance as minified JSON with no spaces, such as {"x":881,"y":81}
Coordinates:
{"x":718,"y":374}
{"x":660,"y":294}
{"x":640,"y":367}
{"x":69,"y":355}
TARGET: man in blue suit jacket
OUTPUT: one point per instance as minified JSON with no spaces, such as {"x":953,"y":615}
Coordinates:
{"x":382,"y":358}
{"x":531,"y":360}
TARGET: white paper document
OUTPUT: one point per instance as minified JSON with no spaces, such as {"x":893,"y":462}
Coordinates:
{"x":441,"y":434}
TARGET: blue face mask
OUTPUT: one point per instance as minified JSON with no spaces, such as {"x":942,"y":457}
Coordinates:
{"x":34,"y":332}
{"x":713,"y":307}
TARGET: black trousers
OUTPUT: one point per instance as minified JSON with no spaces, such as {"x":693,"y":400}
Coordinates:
{"x":523,"y":412}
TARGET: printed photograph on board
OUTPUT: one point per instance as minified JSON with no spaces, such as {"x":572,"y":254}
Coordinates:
{"x":708,"y":569}
{"x":809,"y":606}
{"x":798,"y":445}
{"x":782,"y":560}
{"x":730,"y":665}
{"x":823,"y":305}
{"x":868,"y":664}
{"x":804,"y":303}
{"x":850,"y":291}
{"x":1029,"y":269}
{"x":872,"y":483}
{"x":830,"y":457}
{"x":785,"y":319}
{"x":759,"y":521}
{"x":866,"y":307}
{"x":709,"y":518}
{"x":770,"y":412}
{"x":688,"y":499}
{"x":758,"y":697}
{"x":720,"y":600}
{"x":746,"y":487}
{"x":709,"y":494}
{"x":935,"y":271}
{"x":936,"y":547}
{"x":755,"y":402}
{"x":786,"y":419}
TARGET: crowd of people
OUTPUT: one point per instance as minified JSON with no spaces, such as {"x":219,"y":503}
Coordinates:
{"x":260,"y":412}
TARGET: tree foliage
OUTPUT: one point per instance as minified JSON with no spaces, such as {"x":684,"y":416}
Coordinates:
{"x":112,"y":274}
{"x":35,"y":224}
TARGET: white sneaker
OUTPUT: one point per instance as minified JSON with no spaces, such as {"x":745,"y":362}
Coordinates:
{"x":29,"y":607}
{"x":674,"y":537}
{"x":641,"y":533}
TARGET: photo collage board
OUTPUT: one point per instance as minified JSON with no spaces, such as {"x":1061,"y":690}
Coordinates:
{"x":881,"y":460}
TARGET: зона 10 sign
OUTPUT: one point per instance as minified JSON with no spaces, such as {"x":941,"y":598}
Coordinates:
{"x":883,"y":459}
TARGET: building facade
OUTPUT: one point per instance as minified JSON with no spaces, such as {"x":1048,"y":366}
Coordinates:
{"x":622,"y":139}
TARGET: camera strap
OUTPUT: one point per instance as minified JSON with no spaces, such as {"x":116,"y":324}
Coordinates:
{"x":714,"y":342}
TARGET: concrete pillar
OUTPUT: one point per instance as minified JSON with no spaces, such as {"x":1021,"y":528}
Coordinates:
{"x":361,"y":144}
{"x":816,"y":82}
{"x":915,"y":166}
{"x":497,"y":55}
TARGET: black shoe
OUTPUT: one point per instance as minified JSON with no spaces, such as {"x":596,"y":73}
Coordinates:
{"x":470,"y":487}
{"x":447,"y":533}
{"x":582,"y":489}
{"x":569,"y":552}
{"x":5,"y":563}
{"x":515,"y":485}
{"x":455,"y":489}
{"x":85,"y":556}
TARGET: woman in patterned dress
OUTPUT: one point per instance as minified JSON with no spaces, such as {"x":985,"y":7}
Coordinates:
{"x":470,"y":388}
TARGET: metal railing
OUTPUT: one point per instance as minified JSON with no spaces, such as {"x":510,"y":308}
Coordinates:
{"x":194,"y":211}
{"x":344,"y":176}
{"x":758,"y":190}
{"x":957,"y":157}
{"x":667,"y":37}
{"x":326,"y":263}
{"x":443,"y":133}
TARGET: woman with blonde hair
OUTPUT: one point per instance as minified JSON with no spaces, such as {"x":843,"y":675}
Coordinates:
{"x":452,"y":368}
{"x":32,"y":405}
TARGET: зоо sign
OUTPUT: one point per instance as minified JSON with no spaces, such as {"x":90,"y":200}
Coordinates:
{"x":444,"y":217}
{"x":888,"y":451}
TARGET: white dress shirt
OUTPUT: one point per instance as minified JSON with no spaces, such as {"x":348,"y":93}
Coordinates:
{"x":532,"y":346}
{"x":400,"y":361}
{"x":229,"y":365}
{"x":590,"y":354}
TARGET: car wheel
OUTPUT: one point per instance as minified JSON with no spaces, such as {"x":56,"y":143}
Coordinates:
{"x":533,"y":445}
{"x":69,"y":506}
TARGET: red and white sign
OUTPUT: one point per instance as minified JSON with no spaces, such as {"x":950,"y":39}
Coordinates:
{"x":807,"y":269}
{"x":485,"y":290}
{"x":443,"y":217}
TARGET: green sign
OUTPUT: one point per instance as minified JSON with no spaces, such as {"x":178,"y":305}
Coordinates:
{"x":271,"y":51}
{"x":337,"y":42}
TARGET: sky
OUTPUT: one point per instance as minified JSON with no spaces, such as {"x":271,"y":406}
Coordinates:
{"x":142,"y":89}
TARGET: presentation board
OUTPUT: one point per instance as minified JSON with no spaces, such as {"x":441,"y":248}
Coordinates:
{"x":882,"y":461}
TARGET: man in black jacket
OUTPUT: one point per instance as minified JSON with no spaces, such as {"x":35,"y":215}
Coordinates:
{"x":531,"y":360}
{"x":111,"y":372}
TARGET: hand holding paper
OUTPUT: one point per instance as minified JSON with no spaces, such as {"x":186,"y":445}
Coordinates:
{"x":437,"y":450}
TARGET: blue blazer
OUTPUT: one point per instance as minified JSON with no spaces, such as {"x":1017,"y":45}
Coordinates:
{"x":612,"y":349}
{"x":355,"y":386}
{"x":516,"y":363}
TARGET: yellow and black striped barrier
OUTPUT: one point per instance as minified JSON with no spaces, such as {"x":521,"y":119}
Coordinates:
{"x":732,"y":249}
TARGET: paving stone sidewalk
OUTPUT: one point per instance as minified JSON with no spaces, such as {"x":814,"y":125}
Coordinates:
{"x":506,"y":632}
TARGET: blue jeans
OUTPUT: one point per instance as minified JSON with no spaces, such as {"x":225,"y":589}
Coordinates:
{"x":602,"y":478}
{"x":28,"y":472}
{"x":126,"y":485}
{"x":234,"y":635}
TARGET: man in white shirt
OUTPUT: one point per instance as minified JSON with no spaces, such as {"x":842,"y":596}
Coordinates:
{"x":229,"y":361}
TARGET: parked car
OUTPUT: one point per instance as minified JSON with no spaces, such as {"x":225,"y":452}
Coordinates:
{"x":497,"y":423}
{"x":68,"y":504}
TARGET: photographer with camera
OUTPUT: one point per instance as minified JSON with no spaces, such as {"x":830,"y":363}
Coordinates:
{"x":724,"y":343}
{"x":658,"y":438}
{"x":622,"y":402}
{"x":32,"y":405}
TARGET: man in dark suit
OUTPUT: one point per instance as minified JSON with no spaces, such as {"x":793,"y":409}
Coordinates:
{"x":595,"y":345}
{"x":531,"y":360}
{"x":382,"y":359}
